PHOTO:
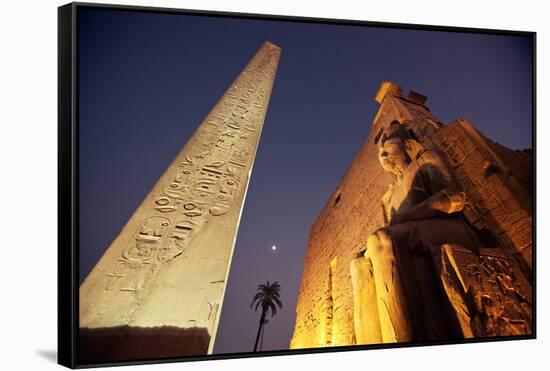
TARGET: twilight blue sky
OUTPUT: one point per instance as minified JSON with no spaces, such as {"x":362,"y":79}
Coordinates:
{"x":148,"y":79}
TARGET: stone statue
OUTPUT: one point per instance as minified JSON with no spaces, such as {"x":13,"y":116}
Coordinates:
{"x":422,"y":210}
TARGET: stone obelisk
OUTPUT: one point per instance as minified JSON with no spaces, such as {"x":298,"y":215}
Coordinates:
{"x":158,"y":289}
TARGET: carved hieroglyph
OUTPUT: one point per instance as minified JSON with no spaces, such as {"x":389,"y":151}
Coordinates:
{"x":169,"y":265}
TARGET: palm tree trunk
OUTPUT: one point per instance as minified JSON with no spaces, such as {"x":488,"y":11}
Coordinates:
{"x":262,"y":320}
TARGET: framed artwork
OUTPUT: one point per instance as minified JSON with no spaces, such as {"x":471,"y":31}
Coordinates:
{"x":239,"y":185}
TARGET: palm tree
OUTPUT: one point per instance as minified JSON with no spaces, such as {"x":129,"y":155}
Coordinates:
{"x":268,"y":298}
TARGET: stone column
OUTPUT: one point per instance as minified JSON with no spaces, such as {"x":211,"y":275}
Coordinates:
{"x":158,"y":289}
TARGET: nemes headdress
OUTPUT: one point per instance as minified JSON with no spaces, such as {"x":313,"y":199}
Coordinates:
{"x":398,"y":130}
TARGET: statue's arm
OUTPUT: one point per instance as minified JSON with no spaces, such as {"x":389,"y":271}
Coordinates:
{"x":448,"y":197}
{"x":444,"y":202}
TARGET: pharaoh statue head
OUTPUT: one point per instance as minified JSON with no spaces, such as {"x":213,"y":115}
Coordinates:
{"x":397,"y":148}
{"x":392,"y":152}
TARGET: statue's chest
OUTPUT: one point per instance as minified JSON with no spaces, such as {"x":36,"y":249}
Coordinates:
{"x":408,"y":192}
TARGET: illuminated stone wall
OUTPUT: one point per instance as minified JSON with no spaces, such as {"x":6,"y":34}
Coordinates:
{"x":497,"y":181}
{"x":158,"y":289}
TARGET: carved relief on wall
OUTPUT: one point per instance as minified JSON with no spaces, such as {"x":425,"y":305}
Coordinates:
{"x":497,"y":200}
{"x":488,"y":293}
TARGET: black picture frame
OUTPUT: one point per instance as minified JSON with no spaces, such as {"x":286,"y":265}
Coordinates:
{"x":68,"y":183}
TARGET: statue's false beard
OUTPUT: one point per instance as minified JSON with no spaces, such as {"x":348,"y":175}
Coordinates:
{"x":391,"y":167}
